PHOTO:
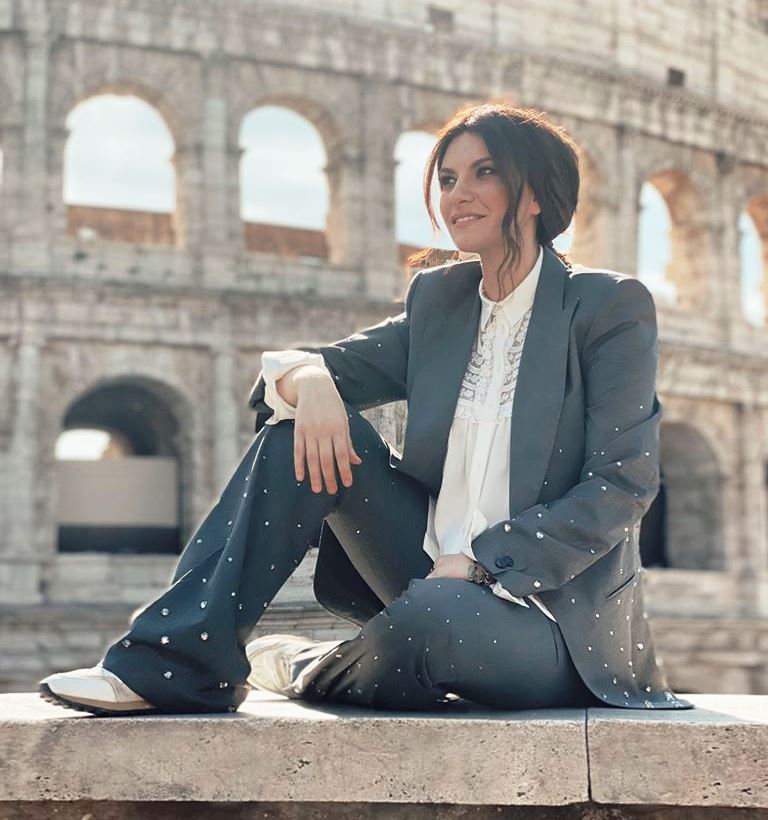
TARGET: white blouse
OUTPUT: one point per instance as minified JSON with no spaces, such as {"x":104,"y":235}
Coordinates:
{"x":474,"y":494}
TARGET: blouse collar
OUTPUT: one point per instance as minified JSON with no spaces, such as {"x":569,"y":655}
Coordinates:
{"x":516,"y":303}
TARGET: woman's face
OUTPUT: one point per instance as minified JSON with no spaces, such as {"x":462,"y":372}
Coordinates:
{"x":470,"y":186}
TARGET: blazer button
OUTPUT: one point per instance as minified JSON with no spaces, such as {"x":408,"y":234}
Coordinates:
{"x":505,"y":561}
{"x":507,"y":527}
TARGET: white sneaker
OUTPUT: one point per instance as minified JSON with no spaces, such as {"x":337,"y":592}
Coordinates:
{"x":271,"y":656}
{"x":95,"y":690}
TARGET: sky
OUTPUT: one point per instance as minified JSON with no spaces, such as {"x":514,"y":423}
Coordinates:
{"x":119,"y":153}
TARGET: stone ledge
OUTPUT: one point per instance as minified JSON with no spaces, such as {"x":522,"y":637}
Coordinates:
{"x":713,"y":755}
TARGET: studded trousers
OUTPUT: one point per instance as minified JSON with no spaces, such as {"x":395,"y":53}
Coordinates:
{"x":434,"y":639}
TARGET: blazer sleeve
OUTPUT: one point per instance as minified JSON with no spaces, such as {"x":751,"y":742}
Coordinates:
{"x":369,"y":367}
{"x":545,"y":546}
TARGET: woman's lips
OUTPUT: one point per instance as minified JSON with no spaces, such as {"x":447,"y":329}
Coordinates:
{"x":464,"y":222}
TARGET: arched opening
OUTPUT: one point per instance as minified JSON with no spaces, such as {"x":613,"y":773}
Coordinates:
{"x":119,"y":180}
{"x":753,"y":260}
{"x":684,"y":528}
{"x":413,"y":230}
{"x":654,"y":247}
{"x":674,"y":250}
{"x":118,"y":476}
{"x":284,"y":189}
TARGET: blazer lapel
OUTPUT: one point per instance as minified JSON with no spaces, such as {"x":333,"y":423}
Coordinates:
{"x":446,"y":347}
{"x":540,"y":385}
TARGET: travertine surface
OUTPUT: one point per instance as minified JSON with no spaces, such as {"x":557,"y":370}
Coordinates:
{"x":274,"y":748}
{"x":713,"y":755}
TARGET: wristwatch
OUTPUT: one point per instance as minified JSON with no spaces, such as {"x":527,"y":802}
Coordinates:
{"x":477,"y":573}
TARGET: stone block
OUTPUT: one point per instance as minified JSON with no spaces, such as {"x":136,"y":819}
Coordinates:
{"x":713,"y":755}
{"x":336,"y":753}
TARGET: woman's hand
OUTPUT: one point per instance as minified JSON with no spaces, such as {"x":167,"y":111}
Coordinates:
{"x":321,"y":432}
{"x":451,"y":566}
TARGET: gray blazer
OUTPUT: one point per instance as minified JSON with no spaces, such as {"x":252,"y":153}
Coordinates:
{"x":584,"y":454}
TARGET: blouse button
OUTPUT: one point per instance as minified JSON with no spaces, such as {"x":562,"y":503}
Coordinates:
{"x":507,"y":527}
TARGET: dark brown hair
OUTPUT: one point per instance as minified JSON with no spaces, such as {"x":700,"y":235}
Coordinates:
{"x":525,"y":147}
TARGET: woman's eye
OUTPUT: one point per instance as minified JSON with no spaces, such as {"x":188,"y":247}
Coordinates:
{"x":486,"y":168}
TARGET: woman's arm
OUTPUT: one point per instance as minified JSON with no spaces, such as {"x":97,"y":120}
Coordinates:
{"x":620,"y":476}
{"x":280,"y":369}
{"x":369,"y":367}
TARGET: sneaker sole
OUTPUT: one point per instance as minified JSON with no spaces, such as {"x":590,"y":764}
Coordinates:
{"x":94,"y":707}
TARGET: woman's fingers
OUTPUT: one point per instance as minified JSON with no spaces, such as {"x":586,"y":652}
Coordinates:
{"x":325,"y":448}
{"x":312,"y":456}
{"x":342,"y":458}
{"x":299,"y":452}
{"x":321,"y":437}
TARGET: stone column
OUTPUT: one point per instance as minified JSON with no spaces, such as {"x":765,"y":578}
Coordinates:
{"x":726,"y":262}
{"x":346,"y":211}
{"x":20,"y":566}
{"x":30,"y":247}
{"x":384,"y":276}
{"x":188,"y":223}
{"x":58,"y":222}
{"x":621,"y":222}
{"x":750,"y":565}
{"x":226,"y":419}
{"x":218,"y":220}
{"x":235,"y":228}
{"x":11,"y":189}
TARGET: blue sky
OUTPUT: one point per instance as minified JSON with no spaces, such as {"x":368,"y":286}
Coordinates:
{"x":119,"y":155}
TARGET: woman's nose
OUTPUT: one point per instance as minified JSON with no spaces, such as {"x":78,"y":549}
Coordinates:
{"x":461,"y":191}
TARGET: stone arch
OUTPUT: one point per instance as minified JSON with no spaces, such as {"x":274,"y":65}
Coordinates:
{"x":133,"y":88}
{"x":128,"y":499}
{"x":145,"y":229}
{"x":683,"y":178}
{"x":756,"y":208}
{"x":308,"y":98}
{"x":410,"y":145}
{"x":126,"y":223}
{"x":680,"y":198}
{"x":135,"y":376}
{"x":170,"y":82}
{"x":273,"y":232}
{"x":691,"y":498}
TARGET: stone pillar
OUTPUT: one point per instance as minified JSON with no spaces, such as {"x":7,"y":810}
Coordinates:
{"x":58,"y":222}
{"x":750,"y":561}
{"x":20,"y":566}
{"x":218,"y":220}
{"x":226,"y":418}
{"x":235,"y":228}
{"x":346,"y":211}
{"x":621,"y":222}
{"x":11,"y":189}
{"x":30,"y":247}
{"x":726,"y":262}
{"x":188,"y":217}
{"x":384,"y":276}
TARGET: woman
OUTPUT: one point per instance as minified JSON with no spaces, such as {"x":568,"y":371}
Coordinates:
{"x":419,"y":549}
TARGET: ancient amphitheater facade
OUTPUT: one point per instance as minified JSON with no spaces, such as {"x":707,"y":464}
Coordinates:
{"x":152,"y":327}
